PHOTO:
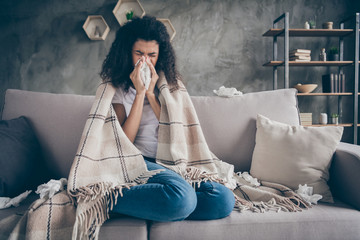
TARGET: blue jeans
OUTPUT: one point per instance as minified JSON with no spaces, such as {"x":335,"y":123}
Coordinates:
{"x":168,"y":197}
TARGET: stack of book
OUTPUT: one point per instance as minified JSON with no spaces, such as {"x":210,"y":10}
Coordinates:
{"x":300,"y":55}
{"x":333,"y":83}
{"x":306,"y":119}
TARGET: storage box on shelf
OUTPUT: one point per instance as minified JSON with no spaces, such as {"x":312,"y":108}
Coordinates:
{"x":287,"y":32}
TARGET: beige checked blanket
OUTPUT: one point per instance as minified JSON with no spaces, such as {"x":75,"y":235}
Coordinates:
{"x":106,"y":162}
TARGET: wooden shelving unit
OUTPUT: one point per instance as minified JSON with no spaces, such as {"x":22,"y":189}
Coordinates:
{"x":309,"y":63}
{"x":324,"y":94}
{"x":340,"y":124}
{"x":309,"y":32}
{"x":340,"y":33}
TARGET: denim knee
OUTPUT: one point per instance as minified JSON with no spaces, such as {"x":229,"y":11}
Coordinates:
{"x":215,"y":201}
{"x":181,"y":202}
{"x":225,"y":203}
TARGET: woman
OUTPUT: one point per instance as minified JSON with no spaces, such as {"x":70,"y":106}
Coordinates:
{"x":166,"y":196}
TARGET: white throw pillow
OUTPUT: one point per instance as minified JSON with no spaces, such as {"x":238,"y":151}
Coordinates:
{"x":293,"y":155}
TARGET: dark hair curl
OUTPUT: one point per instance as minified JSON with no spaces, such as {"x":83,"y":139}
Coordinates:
{"x":118,"y":64}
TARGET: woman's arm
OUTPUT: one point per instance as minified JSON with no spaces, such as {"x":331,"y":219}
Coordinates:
{"x":130,"y":124}
{"x":154,"y":102}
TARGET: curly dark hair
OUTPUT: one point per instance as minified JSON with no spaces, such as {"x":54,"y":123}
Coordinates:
{"x":118,"y":64}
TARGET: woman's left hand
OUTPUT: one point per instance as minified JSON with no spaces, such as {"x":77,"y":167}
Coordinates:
{"x":154,"y":77}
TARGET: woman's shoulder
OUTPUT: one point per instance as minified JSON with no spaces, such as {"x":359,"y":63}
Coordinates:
{"x":119,"y":95}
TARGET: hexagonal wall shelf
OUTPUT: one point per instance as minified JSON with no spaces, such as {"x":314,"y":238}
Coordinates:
{"x":96,"y":28}
{"x":169,"y":27}
{"x":123,"y":6}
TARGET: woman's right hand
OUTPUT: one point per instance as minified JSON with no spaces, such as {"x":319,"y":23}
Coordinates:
{"x":136,"y":79}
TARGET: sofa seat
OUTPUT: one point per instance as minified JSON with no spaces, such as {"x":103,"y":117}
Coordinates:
{"x":130,"y":228}
{"x":24,"y":205}
{"x":124,"y":227}
{"x":323,"y":221}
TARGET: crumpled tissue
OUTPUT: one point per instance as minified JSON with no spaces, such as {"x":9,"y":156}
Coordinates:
{"x":307,"y":194}
{"x":145,"y":74}
{"x":50,"y":188}
{"x":226,"y":173}
{"x":247,"y":177}
{"x":227,"y":92}
{"x":6,"y":202}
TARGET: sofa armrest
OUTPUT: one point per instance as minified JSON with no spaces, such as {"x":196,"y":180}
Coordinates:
{"x":345,"y":174}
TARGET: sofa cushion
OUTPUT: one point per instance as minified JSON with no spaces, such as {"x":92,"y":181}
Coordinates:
{"x":58,"y":120}
{"x":20,"y":157}
{"x":124,"y":227}
{"x":293,"y":155}
{"x":321,"y":222}
{"x":229,"y":124}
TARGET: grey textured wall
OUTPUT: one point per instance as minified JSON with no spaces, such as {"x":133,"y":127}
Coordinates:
{"x":43,"y":46}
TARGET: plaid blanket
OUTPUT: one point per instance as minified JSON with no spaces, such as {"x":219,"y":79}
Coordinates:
{"x":106,"y":162}
{"x":182,"y":148}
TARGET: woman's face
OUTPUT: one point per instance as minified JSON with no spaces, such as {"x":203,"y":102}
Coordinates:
{"x":147,"y":49}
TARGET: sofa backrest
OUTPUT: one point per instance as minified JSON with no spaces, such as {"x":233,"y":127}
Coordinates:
{"x":228,"y":123}
{"x":58,"y":120}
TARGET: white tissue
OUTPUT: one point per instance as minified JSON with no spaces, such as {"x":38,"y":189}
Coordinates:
{"x":226,"y":173}
{"x":227,"y":92}
{"x":250,"y":179}
{"x":145,"y":74}
{"x":6,"y":202}
{"x":307,"y":194}
{"x":50,"y":188}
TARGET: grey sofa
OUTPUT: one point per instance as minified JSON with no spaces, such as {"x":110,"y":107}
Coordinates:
{"x":229,"y":127}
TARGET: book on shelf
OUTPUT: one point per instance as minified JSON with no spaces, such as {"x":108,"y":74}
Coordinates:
{"x":333,"y":83}
{"x":300,"y":60}
{"x":336,"y":83}
{"x":300,"y":57}
{"x":306,"y":119}
{"x":342,"y":82}
{"x":299,"y":51}
{"x":298,"y":54}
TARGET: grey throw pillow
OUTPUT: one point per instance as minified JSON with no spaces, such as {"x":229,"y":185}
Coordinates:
{"x":21,"y":165}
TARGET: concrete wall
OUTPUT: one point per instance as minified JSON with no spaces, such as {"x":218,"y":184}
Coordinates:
{"x":43,"y":46}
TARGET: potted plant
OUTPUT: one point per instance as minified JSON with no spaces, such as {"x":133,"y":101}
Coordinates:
{"x":334,"y":54}
{"x":335,"y":118}
{"x":312,"y":24}
{"x":129,"y":14}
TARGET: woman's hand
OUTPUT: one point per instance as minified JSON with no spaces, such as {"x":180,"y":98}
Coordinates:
{"x":154,"y":77}
{"x":136,"y":79}
{"x":154,"y":102}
